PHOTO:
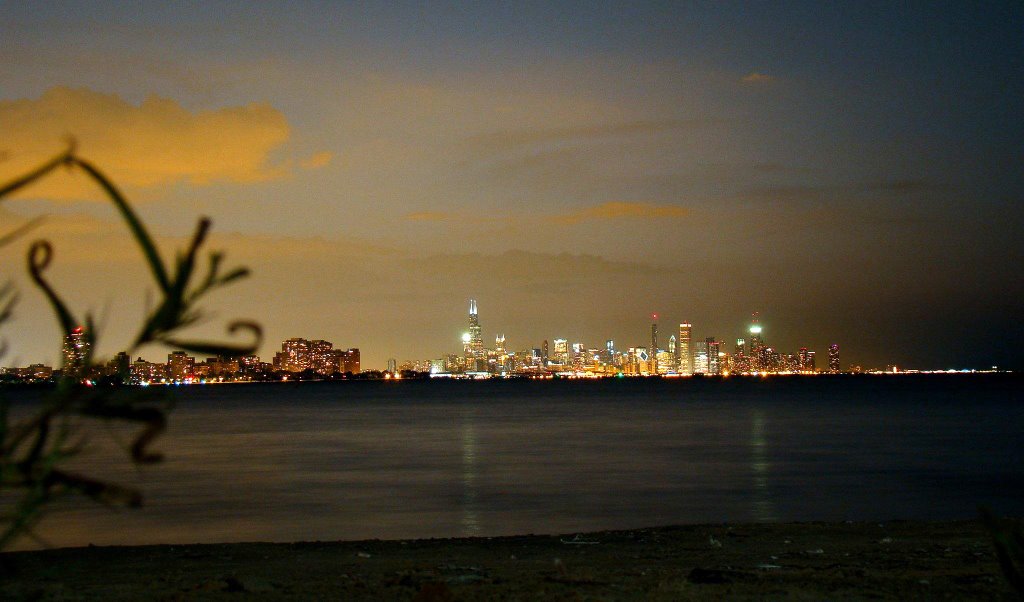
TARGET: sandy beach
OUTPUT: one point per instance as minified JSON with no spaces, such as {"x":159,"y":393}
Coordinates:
{"x":796,"y":561}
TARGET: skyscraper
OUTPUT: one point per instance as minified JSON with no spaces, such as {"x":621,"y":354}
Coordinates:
{"x":475,"y":348}
{"x":654,"y":344}
{"x":756,"y":344}
{"x":714,"y":363}
{"x":294,"y":356}
{"x":76,"y":352}
{"x":833,"y":358}
{"x":685,"y":353}
{"x":321,"y":357}
{"x":500,"y":355}
{"x":561,"y":352}
{"x":741,"y":361}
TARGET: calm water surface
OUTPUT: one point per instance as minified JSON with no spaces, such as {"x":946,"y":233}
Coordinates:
{"x":354,"y":460}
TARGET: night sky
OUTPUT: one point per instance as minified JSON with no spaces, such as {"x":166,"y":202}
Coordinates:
{"x":852,"y":171}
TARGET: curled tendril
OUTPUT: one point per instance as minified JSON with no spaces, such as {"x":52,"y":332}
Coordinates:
{"x":253,"y":327}
{"x":221,"y":348}
{"x":40,"y":254}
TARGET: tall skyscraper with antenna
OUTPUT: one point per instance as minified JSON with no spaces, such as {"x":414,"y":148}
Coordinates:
{"x":757,"y":362}
{"x":475,"y":346}
{"x":654,"y":344}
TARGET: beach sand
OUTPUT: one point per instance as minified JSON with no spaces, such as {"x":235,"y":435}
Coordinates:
{"x":796,"y":561}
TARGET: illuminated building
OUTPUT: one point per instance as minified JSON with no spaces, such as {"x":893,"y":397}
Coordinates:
{"x":768,"y":360}
{"x":544,"y":353}
{"x":350,"y":361}
{"x":654,"y":345}
{"x":609,"y":352}
{"x":218,"y":366}
{"x":700,"y":359}
{"x":77,"y":348}
{"x":561,"y":352}
{"x":147,"y":372}
{"x":249,"y":364}
{"x":475,"y":358}
{"x":294,"y":356}
{"x":454,"y":363}
{"x":665,"y":362}
{"x":118,"y":367}
{"x":833,"y":358}
{"x":740,"y":359}
{"x":322,"y":358}
{"x":180,"y":365}
{"x":33,"y":373}
{"x":756,"y":345}
{"x":579,"y":357}
{"x":685,"y":353}
{"x":806,"y":360}
{"x":725,"y":361}
{"x":712,"y":349}
{"x":673,"y":353}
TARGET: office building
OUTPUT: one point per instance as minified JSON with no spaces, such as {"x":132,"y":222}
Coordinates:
{"x":685,"y":353}
{"x":180,"y":366}
{"x":77,"y":348}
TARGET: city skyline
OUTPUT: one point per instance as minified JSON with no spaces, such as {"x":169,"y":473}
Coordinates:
{"x":852,"y":171}
{"x":713,"y":356}
{"x":297,"y":350}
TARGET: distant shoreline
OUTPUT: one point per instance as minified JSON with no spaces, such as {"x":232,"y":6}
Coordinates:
{"x":560,"y":377}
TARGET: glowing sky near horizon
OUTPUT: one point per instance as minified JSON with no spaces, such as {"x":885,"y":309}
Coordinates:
{"x":852,"y":172}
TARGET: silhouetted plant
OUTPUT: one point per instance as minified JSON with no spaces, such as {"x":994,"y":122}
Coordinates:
{"x":34,"y":450}
{"x":1008,"y":540}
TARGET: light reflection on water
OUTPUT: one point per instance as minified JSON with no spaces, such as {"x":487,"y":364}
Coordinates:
{"x":762,"y":507}
{"x":470,"y":522}
{"x":367,"y":460}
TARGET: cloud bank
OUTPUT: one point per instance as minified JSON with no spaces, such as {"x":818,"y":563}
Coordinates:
{"x":757,"y":78}
{"x":157,"y":142}
{"x":619,"y":210}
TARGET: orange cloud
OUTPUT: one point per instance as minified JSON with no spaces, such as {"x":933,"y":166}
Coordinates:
{"x":620,"y":209}
{"x":428,"y":216}
{"x":757,"y":78}
{"x":154,"y":143}
{"x":318,"y":160}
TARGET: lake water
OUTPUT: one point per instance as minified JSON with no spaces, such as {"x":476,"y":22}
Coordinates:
{"x":413,"y":459}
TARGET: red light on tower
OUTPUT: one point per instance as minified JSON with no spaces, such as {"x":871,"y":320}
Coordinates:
{"x":654,"y":316}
